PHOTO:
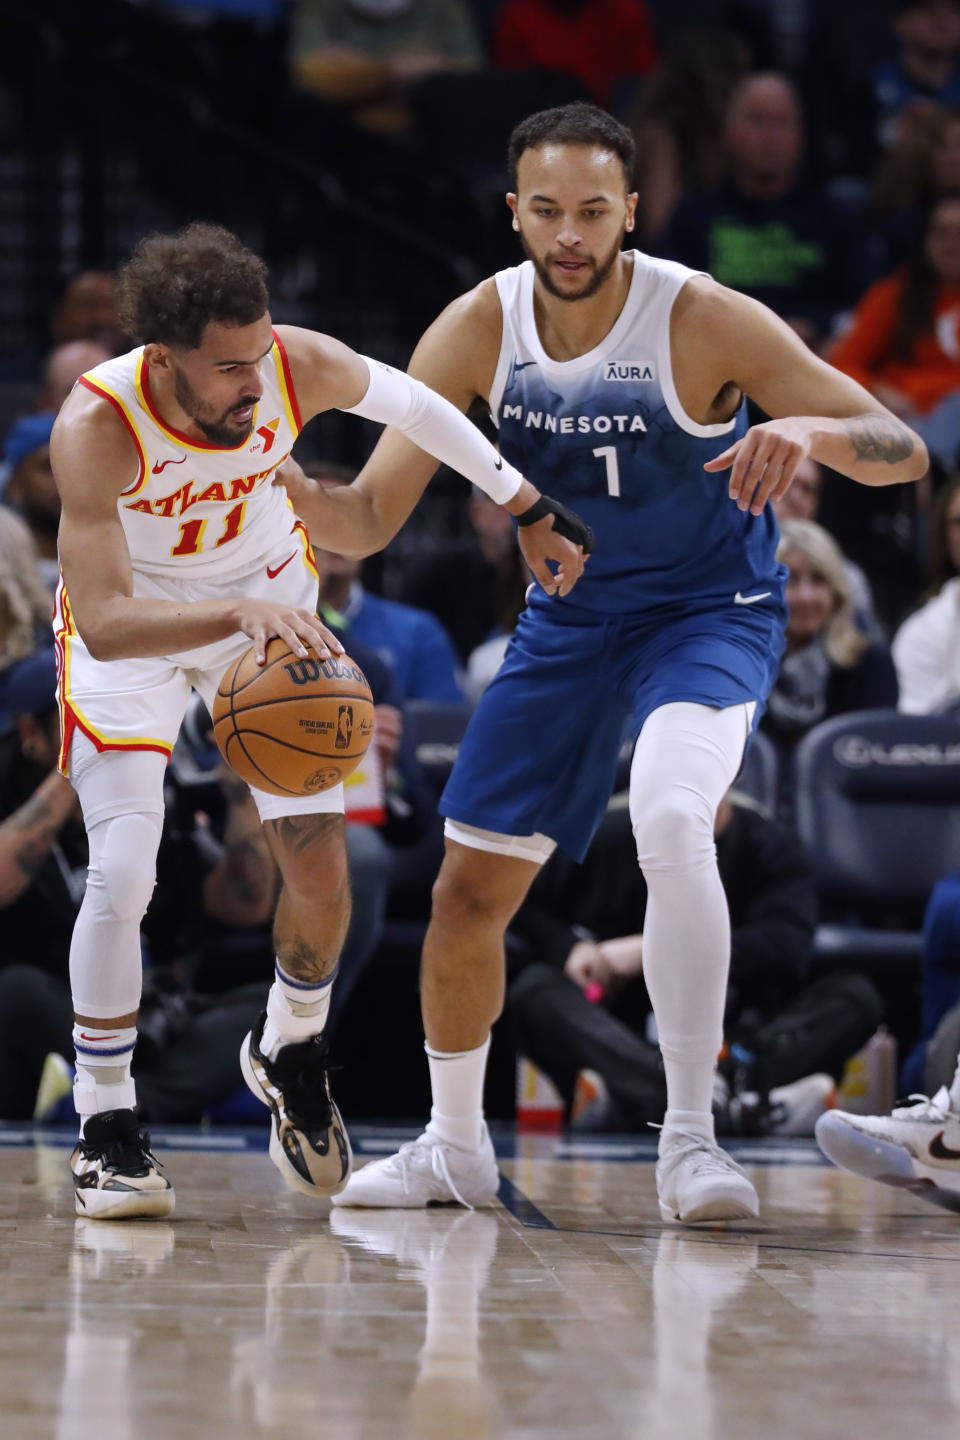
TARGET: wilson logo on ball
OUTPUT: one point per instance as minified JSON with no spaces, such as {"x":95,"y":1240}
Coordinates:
{"x":309,"y":671}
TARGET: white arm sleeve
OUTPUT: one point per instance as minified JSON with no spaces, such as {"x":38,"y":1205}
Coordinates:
{"x":430,"y":421}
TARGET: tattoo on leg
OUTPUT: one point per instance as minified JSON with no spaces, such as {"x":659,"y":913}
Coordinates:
{"x":296,"y":833}
{"x":879,"y":438}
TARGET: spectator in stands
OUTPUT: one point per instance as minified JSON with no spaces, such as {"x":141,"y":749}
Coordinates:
{"x":926,"y":648}
{"x":30,"y":487}
{"x":25,"y":602}
{"x":763,"y":231}
{"x":494,"y":529}
{"x":802,"y":502}
{"x":88,"y":311}
{"x":601,"y":42}
{"x":192,"y":1061}
{"x":582,"y":926}
{"x":64,"y":366}
{"x":678,"y":122}
{"x":488,"y":568}
{"x":829,"y":665}
{"x":920,"y":168}
{"x":365,"y":55}
{"x":926,"y":69}
{"x":904,"y":343}
{"x":410,"y":641}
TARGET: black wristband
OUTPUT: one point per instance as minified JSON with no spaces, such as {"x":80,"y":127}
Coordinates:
{"x":566,"y":522}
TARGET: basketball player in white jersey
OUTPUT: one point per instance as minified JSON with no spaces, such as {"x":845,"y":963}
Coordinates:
{"x":618,"y":381}
{"x":177,"y":550}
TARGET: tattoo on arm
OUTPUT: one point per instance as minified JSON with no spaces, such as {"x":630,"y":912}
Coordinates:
{"x":879,"y":438}
{"x":36,"y":818}
{"x":33,"y":853}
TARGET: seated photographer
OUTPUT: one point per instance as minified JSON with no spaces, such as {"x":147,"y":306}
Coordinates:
{"x":580,"y":1003}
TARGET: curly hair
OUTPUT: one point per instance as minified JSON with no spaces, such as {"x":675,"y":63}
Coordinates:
{"x":576,"y":124}
{"x":174,"y":286}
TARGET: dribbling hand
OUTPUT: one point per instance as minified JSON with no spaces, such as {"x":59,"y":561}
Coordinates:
{"x":764,"y":461}
{"x":299,"y":628}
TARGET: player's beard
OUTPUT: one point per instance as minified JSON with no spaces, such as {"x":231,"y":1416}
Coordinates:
{"x":601,"y":271}
{"x":217,"y":431}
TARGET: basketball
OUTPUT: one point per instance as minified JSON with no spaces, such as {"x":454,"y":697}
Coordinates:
{"x":294,"y":725}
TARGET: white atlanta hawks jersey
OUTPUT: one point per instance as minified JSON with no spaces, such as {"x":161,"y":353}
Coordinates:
{"x":196,"y":510}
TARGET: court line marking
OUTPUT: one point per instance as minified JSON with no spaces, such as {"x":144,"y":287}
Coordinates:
{"x":738,"y":1239}
{"x":521,"y":1207}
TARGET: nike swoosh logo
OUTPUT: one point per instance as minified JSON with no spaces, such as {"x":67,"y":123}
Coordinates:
{"x":739,"y":599}
{"x":939,"y":1151}
{"x":162,"y":464}
{"x":524,"y":366}
{"x":498,"y":464}
{"x":272,"y":574}
{"x":100,"y":1038}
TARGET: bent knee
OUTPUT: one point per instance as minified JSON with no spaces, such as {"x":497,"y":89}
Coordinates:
{"x":672,"y":827}
{"x":123,"y":865}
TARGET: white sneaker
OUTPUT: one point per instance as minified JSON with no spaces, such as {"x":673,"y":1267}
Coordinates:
{"x":797,"y":1107}
{"x":916,"y":1148}
{"x":696,"y":1180}
{"x":426,"y":1171}
{"x":115,"y":1175}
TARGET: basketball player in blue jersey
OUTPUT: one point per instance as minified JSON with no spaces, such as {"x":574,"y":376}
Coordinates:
{"x":178,"y":549}
{"x":618,"y":383}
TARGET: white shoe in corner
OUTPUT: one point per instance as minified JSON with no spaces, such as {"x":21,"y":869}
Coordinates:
{"x":426,"y":1171}
{"x":696,"y":1181}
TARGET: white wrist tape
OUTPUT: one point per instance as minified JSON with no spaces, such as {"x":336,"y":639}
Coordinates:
{"x":438,"y":427}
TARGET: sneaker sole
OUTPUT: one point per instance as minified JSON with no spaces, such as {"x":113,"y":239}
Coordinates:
{"x":722,"y":1208}
{"x":885,"y":1162}
{"x":294,"y":1180}
{"x":124,"y":1205}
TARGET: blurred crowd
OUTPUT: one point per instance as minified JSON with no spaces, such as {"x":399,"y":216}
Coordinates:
{"x":806,"y":153}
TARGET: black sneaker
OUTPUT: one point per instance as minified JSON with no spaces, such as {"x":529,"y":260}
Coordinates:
{"x":115,"y":1175}
{"x":308,"y":1142}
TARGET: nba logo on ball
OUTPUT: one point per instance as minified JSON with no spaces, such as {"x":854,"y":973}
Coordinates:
{"x":344,"y":727}
{"x":295,"y":725}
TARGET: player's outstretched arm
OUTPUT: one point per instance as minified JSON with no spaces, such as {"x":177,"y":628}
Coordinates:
{"x":94,"y":461}
{"x":424,"y":413}
{"x":817,"y":410}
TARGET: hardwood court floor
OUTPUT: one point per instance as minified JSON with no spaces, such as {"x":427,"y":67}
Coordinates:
{"x":567,"y":1311}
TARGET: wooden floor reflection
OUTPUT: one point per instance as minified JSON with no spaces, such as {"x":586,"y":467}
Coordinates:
{"x":569,"y":1312}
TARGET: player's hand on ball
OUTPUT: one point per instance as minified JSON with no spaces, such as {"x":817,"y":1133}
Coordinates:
{"x":300,"y":629}
{"x":764,"y":461}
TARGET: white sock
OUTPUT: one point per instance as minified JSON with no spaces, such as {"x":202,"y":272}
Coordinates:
{"x":691,"y":1122}
{"x":103,"y":1081}
{"x":296,"y":1011}
{"x":456,"y":1082}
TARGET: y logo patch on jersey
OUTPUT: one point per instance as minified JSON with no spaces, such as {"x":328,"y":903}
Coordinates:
{"x":629,"y":370}
{"x":268,"y":434}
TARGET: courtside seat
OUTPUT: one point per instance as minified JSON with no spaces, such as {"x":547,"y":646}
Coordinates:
{"x":759,"y":775}
{"x":878,"y":808}
{"x":436,"y":728}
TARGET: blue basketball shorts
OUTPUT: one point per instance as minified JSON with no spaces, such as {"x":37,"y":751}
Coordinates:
{"x":540,"y":751}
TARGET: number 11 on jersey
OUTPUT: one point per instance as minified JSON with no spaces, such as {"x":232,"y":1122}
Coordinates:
{"x":608,"y":453}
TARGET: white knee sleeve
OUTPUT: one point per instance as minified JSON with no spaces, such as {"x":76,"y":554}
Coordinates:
{"x":123,"y":865}
{"x":105,"y":966}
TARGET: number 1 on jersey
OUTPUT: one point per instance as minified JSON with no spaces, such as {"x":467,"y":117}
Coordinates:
{"x":608,"y":453}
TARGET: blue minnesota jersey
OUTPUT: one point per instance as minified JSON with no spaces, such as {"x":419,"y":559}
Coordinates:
{"x":606,"y":434}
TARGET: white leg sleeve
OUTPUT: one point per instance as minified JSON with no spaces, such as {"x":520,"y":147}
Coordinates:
{"x":685,"y":760}
{"x":121,"y":794}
